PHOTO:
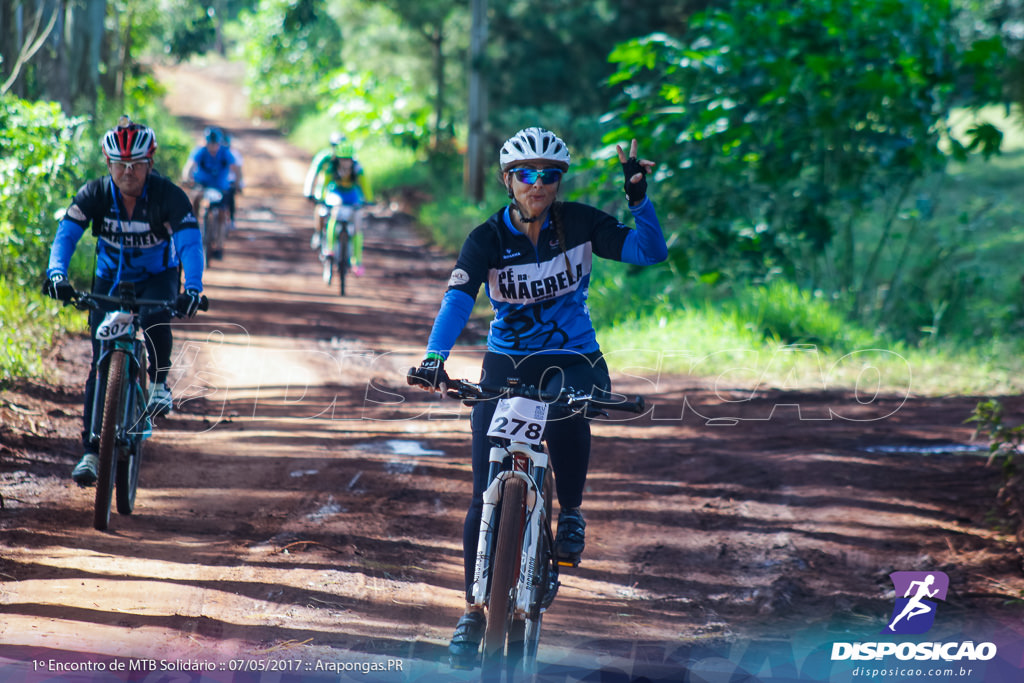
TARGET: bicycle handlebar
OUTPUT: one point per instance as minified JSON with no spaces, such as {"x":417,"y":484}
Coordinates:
{"x":89,"y":300}
{"x":570,"y":398}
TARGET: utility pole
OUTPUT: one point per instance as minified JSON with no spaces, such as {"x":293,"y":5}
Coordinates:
{"x":474,"y":174}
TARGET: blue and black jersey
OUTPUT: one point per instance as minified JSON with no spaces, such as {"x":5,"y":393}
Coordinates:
{"x":539,"y":294}
{"x":213,"y":170}
{"x":160,"y":234}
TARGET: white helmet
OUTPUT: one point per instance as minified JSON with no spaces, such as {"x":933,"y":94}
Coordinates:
{"x":129,"y":141}
{"x":531,"y":144}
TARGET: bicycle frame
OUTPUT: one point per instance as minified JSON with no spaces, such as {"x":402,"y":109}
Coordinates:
{"x":133,"y":346}
{"x":517,"y":458}
{"x":340,"y":217}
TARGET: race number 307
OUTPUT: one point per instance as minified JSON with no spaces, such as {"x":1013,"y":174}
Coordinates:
{"x":519,"y":419}
{"x":115,"y":324}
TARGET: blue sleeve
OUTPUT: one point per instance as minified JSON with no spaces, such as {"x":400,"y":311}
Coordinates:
{"x":189,"y":245}
{"x":63,"y":248}
{"x":453,"y":316}
{"x":646,"y":245}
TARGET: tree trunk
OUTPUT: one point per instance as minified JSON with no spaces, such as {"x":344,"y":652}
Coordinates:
{"x":474,"y":182}
{"x":85,"y":30}
{"x":438,"y":42}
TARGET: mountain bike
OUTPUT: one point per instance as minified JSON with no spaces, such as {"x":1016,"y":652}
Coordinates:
{"x":215,"y":221}
{"x":211,"y":210}
{"x":120,"y":421}
{"x":334,"y":246}
{"x":516,"y":573}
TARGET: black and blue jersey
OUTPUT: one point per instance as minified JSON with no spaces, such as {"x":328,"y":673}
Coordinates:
{"x":160,"y":234}
{"x":213,"y":170}
{"x":539,"y":293}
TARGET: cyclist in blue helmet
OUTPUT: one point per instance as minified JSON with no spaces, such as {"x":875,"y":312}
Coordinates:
{"x":210,"y":165}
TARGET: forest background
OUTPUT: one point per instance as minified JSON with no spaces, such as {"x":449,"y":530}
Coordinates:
{"x":839,"y":180}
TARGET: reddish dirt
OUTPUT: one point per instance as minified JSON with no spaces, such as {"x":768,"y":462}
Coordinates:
{"x":302,"y":508}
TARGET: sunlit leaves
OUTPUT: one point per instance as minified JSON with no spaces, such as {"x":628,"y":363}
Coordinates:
{"x":38,"y":154}
{"x":795,"y":116}
{"x":293,"y":45}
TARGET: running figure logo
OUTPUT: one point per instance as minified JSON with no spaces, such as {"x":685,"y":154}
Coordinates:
{"x":914,"y":613}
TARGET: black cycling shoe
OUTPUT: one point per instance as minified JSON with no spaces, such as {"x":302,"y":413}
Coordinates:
{"x":569,"y":540}
{"x":86,"y":472}
{"x":463,"y":651}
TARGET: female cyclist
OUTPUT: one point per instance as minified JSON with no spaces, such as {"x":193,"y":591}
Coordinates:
{"x":534,"y":259}
{"x":336,"y":171}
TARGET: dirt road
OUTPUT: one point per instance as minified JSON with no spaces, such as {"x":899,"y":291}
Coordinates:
{"x":300,"y":513}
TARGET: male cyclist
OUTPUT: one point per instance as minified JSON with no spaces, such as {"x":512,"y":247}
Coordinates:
{"x":211,"y":164}
{"x":145,"y":234}
{"x":335,"y":171}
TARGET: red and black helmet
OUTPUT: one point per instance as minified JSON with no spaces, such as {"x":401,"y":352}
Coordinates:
{"x":129,"y":141}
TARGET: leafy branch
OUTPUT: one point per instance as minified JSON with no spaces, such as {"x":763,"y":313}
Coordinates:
{"x":1006,"y":442}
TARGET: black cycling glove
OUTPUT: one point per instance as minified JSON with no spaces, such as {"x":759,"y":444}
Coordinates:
{"x":431,"y":371}
{"x":635,"y":192}
{"x":187,"y":303}
{"x":58,"y":287}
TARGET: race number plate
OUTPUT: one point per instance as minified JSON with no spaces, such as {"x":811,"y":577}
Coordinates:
{"x":519,"y":419}
{"x":115,"y":324}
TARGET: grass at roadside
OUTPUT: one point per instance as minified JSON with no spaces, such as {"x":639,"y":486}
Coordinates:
{"x":716,"y":344}
{"x":782,"y":337}
{"x":29,"y":324}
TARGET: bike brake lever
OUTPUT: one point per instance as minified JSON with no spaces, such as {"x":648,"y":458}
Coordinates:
{"x":80,"y":301}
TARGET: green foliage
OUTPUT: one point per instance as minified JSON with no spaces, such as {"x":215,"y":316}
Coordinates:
{"x":291,"y":45}
{"x":39,"y":148}
{"x":1007,"y":443}
{"x":547,"y":58}
{"x":193,"y":30}
{"x":786,"y":314}
{"x":790,"y":137}
{"x":778,"y":313}
{"x":370,"y":105}
{"x":29,"y":322}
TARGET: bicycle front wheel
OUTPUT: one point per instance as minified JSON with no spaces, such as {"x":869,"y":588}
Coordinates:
{"x":504,"y":577}
{"x":342,"y":258}
{"x":545,"y":583}
{"x":137,"y":428}
{"x":220,"y":228}
{"x":208,"y":234}
{"x":117,"y":373}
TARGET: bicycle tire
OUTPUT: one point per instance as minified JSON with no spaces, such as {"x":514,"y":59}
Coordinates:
{"x":207,"y":236}
{"x":127,"y":472}
{"x":504,"y":576}
{"x":328,"y":269}
{"x":112,"y":402}
{"x":342,"y":258}
{"x":546,"y":573}
{"x":220,"y":222}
